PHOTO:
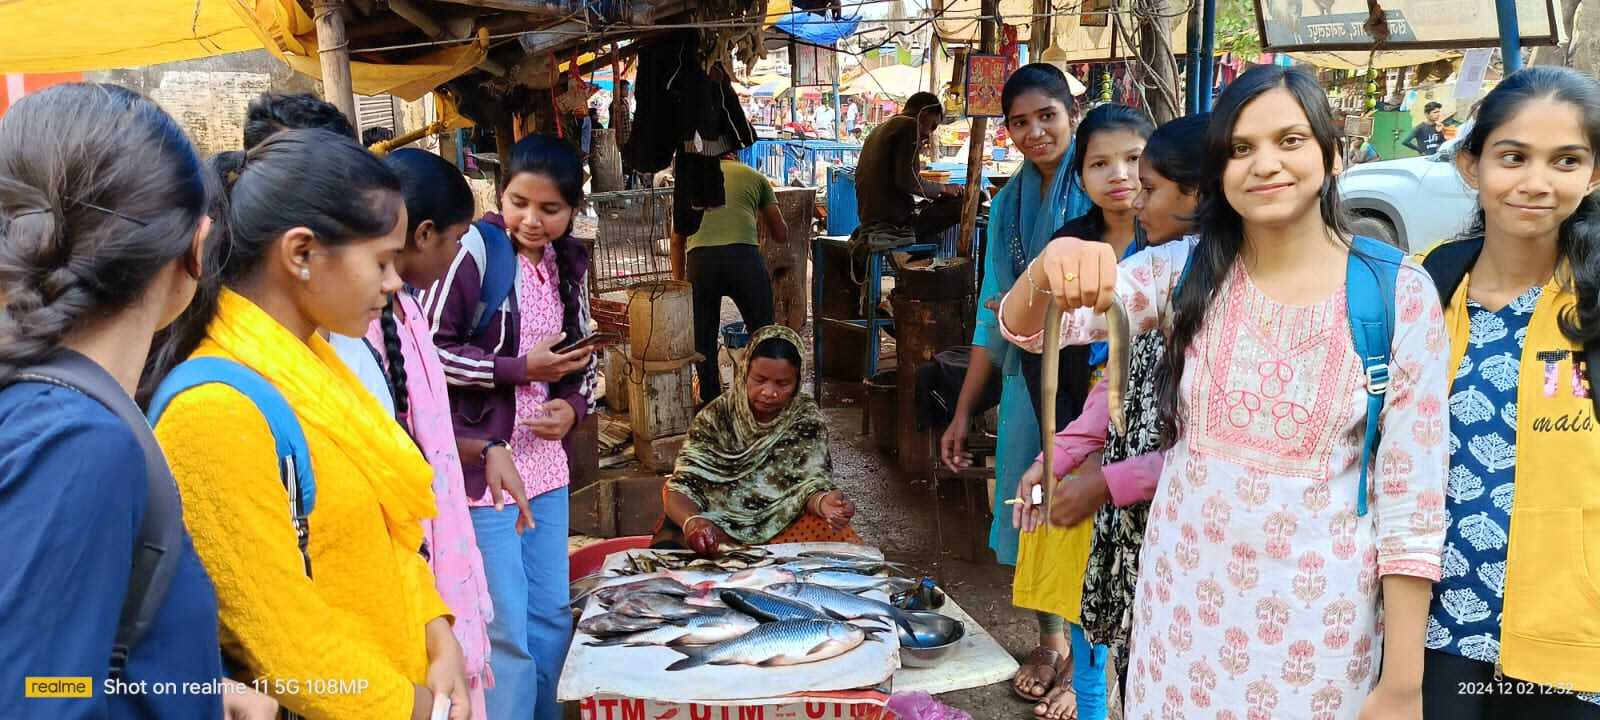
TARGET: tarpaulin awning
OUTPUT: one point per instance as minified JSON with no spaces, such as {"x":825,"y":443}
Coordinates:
{"x":900,"y":81}
{"x":771,"y":88}
{"x":80,"y":35}
{"x":41,"y":36}
{"x":816,"y":29}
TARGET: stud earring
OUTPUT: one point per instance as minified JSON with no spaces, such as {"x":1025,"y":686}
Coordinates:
{"x":305,"y":273}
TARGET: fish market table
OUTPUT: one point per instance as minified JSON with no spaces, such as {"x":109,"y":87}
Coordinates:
{"x":633,"y":683}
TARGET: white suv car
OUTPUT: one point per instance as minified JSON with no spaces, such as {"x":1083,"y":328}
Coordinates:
{"x":1414,"y":203}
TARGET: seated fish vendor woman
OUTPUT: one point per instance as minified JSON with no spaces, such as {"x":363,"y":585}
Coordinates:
{"x":756,"y":467}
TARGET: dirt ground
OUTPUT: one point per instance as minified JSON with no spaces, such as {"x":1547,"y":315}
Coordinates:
{"x":897,"y":514}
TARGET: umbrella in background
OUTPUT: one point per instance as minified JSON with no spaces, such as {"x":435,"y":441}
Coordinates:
{"x":771,"y":88}
{"x":897,"y":81}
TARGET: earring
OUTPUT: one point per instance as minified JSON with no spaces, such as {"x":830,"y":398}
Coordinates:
{"x":305,"y":273}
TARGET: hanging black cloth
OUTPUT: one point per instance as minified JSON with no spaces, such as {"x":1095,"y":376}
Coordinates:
{"x":686,"y":113}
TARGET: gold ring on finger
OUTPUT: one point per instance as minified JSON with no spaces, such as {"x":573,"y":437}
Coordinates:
{"x":1069,"y":277}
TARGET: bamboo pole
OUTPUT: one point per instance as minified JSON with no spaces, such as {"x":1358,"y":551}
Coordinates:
{"x":975,"y":138}
{"x":333,"y":47}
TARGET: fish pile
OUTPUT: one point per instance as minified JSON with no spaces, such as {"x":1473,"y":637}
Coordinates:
{"x":749,"y":607}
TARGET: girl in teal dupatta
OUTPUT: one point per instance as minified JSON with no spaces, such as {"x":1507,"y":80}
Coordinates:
{"x":1022,"y":218}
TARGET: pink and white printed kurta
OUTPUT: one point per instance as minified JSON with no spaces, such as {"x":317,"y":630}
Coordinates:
{"x":452,"y":542}
{"x":541,"y":463}
{"x":1258,"y":584}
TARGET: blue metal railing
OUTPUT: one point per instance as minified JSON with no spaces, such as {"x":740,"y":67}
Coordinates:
{"x":795,"y":161}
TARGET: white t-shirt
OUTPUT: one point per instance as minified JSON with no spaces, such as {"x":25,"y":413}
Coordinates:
{"x":822,"y":118}
{"x":355,"y":353}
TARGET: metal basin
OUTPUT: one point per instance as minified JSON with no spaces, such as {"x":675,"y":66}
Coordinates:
{"x":934,"y":638}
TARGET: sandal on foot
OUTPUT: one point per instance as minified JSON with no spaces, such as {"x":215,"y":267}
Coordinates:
{"x":1043,"y":666}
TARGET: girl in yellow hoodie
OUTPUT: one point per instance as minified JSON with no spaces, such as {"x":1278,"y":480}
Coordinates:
{"x":1514,"y":627}
{"x":354,"y":628}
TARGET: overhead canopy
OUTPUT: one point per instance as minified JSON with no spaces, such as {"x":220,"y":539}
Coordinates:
{"x":41,"y":36}
{"x":79,"y":35}
{"x":1353,"y":60}
{"x":897,"y":81}
{"x":1084,"y":38}
{"x":771,"y":88}
{"x":816,"y":29}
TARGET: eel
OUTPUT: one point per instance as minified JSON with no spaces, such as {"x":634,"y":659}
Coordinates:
{"x":1118,"y":339}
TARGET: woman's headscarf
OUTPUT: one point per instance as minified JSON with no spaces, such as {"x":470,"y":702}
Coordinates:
{"x":752,"y":478}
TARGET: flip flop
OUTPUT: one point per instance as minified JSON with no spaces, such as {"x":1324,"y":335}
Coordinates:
{"x":1041,"y":656}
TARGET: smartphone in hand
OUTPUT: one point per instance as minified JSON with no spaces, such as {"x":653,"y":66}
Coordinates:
{"x":597,"y":340}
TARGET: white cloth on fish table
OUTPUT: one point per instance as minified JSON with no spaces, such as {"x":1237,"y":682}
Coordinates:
{"x":640,"y":672}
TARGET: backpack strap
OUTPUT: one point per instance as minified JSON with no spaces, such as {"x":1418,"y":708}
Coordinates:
{"x":294,"y":454}
{"x":159,"y":541}
{"x":1370,"y":278}
{"x":1448,"y":264}
{"x":499,"y":268}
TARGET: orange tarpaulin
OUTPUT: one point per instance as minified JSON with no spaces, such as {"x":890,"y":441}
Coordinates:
{"x":78,"y":35}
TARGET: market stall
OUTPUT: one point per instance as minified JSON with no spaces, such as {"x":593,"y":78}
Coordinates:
{"x":848,"y":670}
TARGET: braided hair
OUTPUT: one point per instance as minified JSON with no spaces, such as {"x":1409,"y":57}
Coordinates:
{"x":99,"y":191}
{"x":436,"y":192}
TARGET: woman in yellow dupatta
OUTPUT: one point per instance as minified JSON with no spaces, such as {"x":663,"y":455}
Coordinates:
{"x":356,"y":629}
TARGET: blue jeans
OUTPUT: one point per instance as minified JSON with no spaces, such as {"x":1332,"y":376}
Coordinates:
{"x":532,"y":626}
{"x":1088,"y":675}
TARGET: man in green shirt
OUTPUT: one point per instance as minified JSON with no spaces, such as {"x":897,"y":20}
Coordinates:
{"x":723,"y":260}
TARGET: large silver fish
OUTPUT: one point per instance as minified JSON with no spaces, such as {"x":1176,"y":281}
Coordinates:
{"x":780,"y":643}
{"x":838,"y":603}
{"x":768,"y":607}
{"x":711,"y":627}
{"x":860,"y":567}
{"x":611,"y":624}
{"x":655,"y":605}
{"x":835,"y":555}
{"x":855,"y":582}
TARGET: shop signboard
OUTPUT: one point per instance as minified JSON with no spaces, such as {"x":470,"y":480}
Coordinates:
{"x":1287,"y":25}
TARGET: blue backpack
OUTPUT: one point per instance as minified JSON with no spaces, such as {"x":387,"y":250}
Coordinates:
{"x":499,"y":268}
{"x":1370,"y":276}
{"x":294,"y":454}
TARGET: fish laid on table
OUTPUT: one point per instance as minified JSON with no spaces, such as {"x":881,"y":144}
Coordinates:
{"x":733,"y":559}
{"x":779,"y":643}
{"x":854,"y":582}
{"x":838,"y":603}
{"x":768,"y":607}
{"x":860,"y":567}
{"x":835,"y":555}
{"x":755,"y":578}
{"x":612,"y":624}
{"x":608,"y":594}
{"x":712,"y":627}
{"x":655,"y":605}
{"x":707,"y":597}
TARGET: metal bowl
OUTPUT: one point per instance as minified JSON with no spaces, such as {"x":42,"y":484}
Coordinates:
{"x":934,"y":636}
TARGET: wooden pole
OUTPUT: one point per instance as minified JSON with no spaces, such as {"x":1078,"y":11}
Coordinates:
{"x":975,"y":139}
{"x":333,"y":45}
